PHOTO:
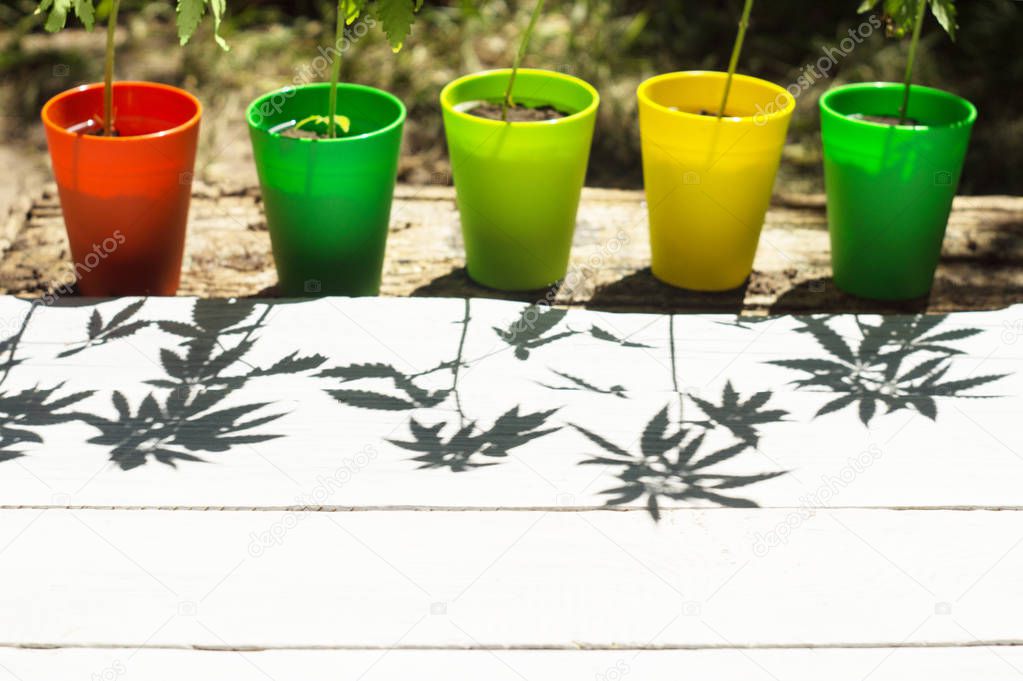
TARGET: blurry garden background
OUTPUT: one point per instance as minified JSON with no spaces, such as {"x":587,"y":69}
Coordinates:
{"x":614,"y":44}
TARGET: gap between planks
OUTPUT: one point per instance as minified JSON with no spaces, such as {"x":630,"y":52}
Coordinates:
{"x":577,"y":646}
{"x":483,"y":509}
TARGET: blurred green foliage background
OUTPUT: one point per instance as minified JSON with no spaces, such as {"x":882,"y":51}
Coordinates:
{"x":614,"y":44}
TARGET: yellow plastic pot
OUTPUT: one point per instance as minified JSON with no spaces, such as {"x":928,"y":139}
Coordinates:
{"x":708,"y":179}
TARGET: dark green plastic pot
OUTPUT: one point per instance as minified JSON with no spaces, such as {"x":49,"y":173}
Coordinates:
{"x":890,"y":187}
{"x":328,"y":201}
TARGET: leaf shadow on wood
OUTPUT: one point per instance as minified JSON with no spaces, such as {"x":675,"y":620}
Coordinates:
{"x":672,"y":462}
{"x":539,"y":325}
{"x":201,"y":374}
{"x":468,"y":442}
{"x":23,"y":411}
{"x":899,"y":363}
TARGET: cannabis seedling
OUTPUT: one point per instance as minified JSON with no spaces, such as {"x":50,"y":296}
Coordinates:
{"x":397,"y":17}
{"x":189,"y":15}
{"x":507,"y":102}
{"x":736,"y":50}
{"x":908,"y":15}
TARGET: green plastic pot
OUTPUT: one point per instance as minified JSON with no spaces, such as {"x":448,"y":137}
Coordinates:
{"x":518,"y":184}
{"x":328,"y":201}
{"x":890,"y":187}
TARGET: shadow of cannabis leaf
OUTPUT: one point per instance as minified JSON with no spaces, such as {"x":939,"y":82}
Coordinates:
{"x":410,"y":396}
{"x":461,"y":451}
{"x":20,"y":411}
{"x":530,"y":330}
{"x":740,"y":417}
{"x":879,"y":372}
{"x":670,"y":465}
{"x":581,"y":384}
{"x":29,"y":408}
{"x":121,"y":325}
{"x":534,"y":326}
{"x":191,"y":417}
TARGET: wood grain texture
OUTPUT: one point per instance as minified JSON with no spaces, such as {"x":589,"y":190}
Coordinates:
{"x":228,"y":254}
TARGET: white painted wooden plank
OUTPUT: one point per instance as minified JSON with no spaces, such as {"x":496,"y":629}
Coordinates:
{"x":341,"y":455}
{"x":883,"y":664}
{"x":716,"y":577}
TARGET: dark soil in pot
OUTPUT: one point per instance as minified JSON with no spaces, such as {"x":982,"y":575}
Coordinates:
{"x":517,"y":113}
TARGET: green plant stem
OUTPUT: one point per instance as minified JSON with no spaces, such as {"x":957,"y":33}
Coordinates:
{"x":917,"y":25}
{"x":507,"y":102}
{"x":736,"y":50}
{"x":108,"y":71}
{"x":342,"y":13}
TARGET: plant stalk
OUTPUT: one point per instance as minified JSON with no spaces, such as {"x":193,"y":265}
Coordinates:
{"x":339,"y":34}
{"x":507,"y":102}
{"x":917,"y":25}
{"x":108,"y":72}
{"x":736,"y":50}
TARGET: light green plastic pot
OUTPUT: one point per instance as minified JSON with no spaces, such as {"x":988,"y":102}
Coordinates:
{"x":328,"y":201}
{"x":518,"y":184}
{"x":890,"y":187}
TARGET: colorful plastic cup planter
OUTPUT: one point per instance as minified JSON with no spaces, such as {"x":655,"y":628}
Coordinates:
{"x":890,"y":187}
{"x":328,"y":201}
{"x":708,"y":179}
{"x":518,"y":183}
{"x":125,"y":198}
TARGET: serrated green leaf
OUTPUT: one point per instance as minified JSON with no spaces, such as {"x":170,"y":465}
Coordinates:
{"x":397,"y":17}
{"x":190,"y":13}
{"x":57,"y":18}
{"x":86,"y":13}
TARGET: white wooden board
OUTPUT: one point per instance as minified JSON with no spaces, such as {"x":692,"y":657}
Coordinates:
{"x":455,"y":489}
{"x":498,"y":579}
{"x":955,"y":443}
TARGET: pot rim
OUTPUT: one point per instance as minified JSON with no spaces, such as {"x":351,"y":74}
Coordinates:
{"x":448,"y":104}
{"x":396,"y":123}
{"x":121,"y":84}
{"x":825,"y":104}
{"x":758,"y":118}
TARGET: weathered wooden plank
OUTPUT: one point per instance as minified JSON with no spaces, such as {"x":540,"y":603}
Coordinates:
{"x":499,"y":579}
{"x":228,"y":254}
{"x":380,"y":429}
{"x":882,"y":664}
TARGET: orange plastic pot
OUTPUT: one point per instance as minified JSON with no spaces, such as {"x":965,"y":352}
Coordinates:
{"x":125,"y":198}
